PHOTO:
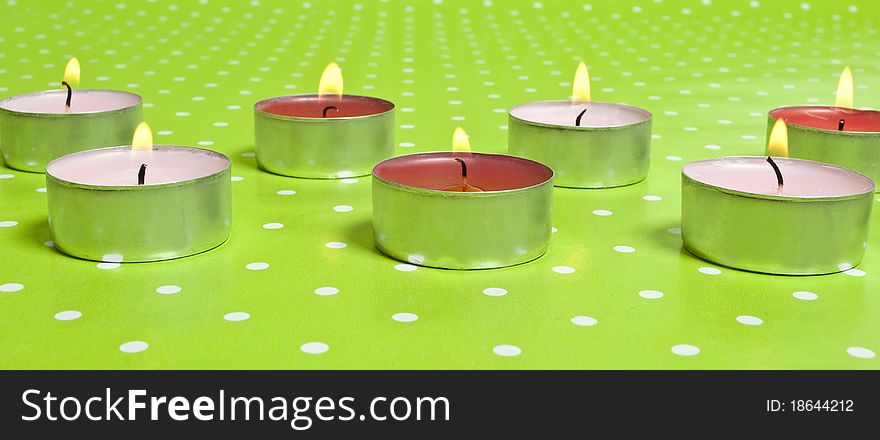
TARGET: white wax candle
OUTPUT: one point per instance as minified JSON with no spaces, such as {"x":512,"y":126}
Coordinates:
{"x":564,"y":113}
{"x":119,"y":166}
{"x":802,"y":178}
{"x":82,"y":101}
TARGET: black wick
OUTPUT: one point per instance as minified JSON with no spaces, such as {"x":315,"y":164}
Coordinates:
{"x":142,"y":173}
{"x":463,"y":166}
{"x":779,"y":180}
{"x":840,"y":125}
{"x":324,"y":112}
{"x":577,"y":120}
{"x":69,"y":93}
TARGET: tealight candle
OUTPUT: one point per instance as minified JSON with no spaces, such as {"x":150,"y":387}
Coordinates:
{"x":588,"y":144}
{"x":837,"y":134}
{"x":38,"y":127}
{"x":139,"y":203}
{"x":324,"y":136}
{"x":775,"y":215}
{"x":462,"y":210}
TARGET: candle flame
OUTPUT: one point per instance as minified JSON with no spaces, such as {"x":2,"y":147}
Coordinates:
{"x":331,"y":80}
{"x":845,"y":89}
{"x":71,"y":72}
{"x":580,"y":89}
{"x":777,"y":145}
{"x":460,"y":141}
{"x":142,"y":139}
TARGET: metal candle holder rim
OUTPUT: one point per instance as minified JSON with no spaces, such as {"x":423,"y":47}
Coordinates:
{"x":418,"y":190}
{"x":329,"y":118}
{"x":141,"y":187}
{"x":787,"y":198}
{"x":823,"y":130}
{"x":648,"y":117}
{"x":140,"y":101}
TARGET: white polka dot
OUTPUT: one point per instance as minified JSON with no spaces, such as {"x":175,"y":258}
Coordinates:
{"x":326,"y":291}
{"x":507,"y":350}
{"x":8,"y":224}
{"x":861,"y":352}
{"x":273,"y":226}
{"x":651,"y":198}
{"x":749,"y":320}
{"x":685,"y":350}
{"x":495,"y":291}
{"x":709,"y":270}
{"x":236,"y":316}
{"x":259,"y":265}
{"x":134,"y":347}
{"x":563,"y":269}
{"x":41,"y":189}
{"x":237,"y":178}
{"x":286,"y":192}
{"x":673,"y":158}
{"x":406,"y":267}
{"x":805,"y":296}
{"x":168,"y":290}
{"x":11,"y":287}
{"x":624,"y":249}
{"x":855,"y":272}
{"x":602,"y":212}
{"x":405,"y":317}
{"x":6,"y":176}
{"x":107,"y":266}
{"x":336,"y":245}
{"x":68,"y":315}
{"x":314,"y":347}
{"x":713,"y":147}
{"x":342,"y":208}
{"x":651,"y":294}
{"x":584,"y":321}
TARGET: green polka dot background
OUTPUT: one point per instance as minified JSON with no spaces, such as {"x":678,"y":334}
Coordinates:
{"x":300,"y":284}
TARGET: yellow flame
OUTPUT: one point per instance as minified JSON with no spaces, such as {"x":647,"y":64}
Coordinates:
{"x":460,"y":141}
{"x":143,"y":138}
{"x":580,"y":89}
{"x":777,"y":145}
{"x":845,"y":89}
{"x":331,"y":80}
{"x":71,"y":72}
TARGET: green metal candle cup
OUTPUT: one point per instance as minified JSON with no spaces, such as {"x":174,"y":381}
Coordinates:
{"x":611,"y":155}
{"x":856,"y":150}
{"x":319,"y":147}
{"x":462,"y":230}
{"x":29,"y":140}
{"x":140,"y":223}
{"x":775,"y":234}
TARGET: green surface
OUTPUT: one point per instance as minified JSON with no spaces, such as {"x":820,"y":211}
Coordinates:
{"x":709,"y":71}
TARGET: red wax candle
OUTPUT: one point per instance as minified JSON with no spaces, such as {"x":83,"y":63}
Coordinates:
{"x":313,"y":106}
{"x":829,"y":117}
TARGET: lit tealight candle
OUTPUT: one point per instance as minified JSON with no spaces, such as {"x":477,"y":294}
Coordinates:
{"x":326,"y":136}
{"x":589,"y":144}
{"x":462,"y":210}
{"x":839,"y":134}
{"x":38,"y":127}
{"x":139,"y":202}
{"x":774,"y":214}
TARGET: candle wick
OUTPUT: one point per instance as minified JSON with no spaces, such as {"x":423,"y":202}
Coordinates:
{"x":142,"y":174}
{"x":463,"y":167}
{"x":324,"y":112}
{"x":69,"y":93}
{"x":840,"y":125}
{"x":779,"y":180}
{"x":577,"y":120}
